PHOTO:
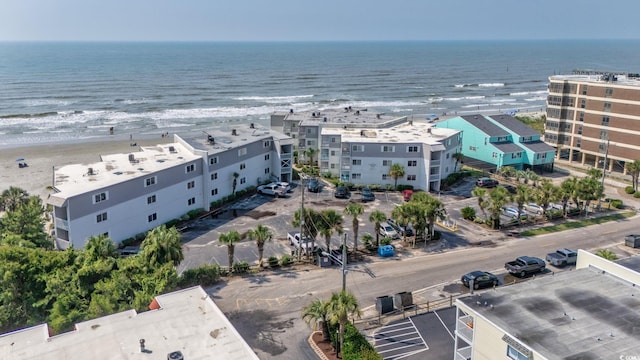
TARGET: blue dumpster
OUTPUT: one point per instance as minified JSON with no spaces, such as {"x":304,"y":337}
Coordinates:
{"x":386,"y":251}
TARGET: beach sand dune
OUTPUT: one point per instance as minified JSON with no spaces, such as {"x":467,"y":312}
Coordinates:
{"x":37,"y":177}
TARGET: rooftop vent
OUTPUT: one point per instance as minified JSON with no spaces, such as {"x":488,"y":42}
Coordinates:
{"x":172,"y":149}
{"x":90,"y":171}
{"x":132,"y":158}
{"x":428,"y":130}
{"x":176,"y":355}
{"x":290,"y":111}
{"x":357,"y":112}
{"x":234,"y":132}
{"x":252,"y":126}
{"x":325,"y":119}
{"x":313,"y":114}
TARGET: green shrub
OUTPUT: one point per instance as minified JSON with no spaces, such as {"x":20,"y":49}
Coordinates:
{"x":273,"y":261}
{"x":171,"y":223}
{"x":204,"y":275}
{"x":356,"y":346}
{"x":636,"y":195}
{"x":241,"y":267}
{"x":629,"y":190}
{"x":468,"y":213}
{"x":195,"y":213}
{"x":402,"y":187}
{"x":385,"y":241}
{"x":286,"y":260}
{"x":127,"y":242}
{"x":478,"y":220}
{"x":616,"y":203}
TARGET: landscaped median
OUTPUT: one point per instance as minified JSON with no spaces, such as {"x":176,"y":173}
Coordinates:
{"x":575,"y":224}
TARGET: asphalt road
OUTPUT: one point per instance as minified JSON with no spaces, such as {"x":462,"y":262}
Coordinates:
{"x":266,"y":309}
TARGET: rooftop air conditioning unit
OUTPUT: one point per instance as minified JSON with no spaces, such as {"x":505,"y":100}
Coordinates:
{"x":176,"y":355}
{"x":90,"y":171}
{"x":234,"y":132}
{"x":132,"y":158}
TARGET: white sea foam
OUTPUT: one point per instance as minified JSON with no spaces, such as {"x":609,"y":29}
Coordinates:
{"x":465,"y":98}
{"x":491,"y":85}
{"x":522,"y":93}
{"x":273,"y":99}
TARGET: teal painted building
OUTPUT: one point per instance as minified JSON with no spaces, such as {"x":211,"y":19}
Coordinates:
{"x":501,"y":140}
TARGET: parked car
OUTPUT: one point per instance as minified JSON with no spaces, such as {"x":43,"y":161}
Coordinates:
{"x":481,"y":279}
{"x":401,"y":230}
{"x":388,"y":231}
{"x":513,"y":212}
{"x":525,"y":265}
{"x":562,"y":257}
{"x":510,"y":188}
{"x":313,"y":185}
{"x":486,"y":182}
{"x":271,"y":189}
{"x":284,"y":185}
{"x":367,"y":195}
{"x":342,"y":192}
{"x":534,"y":208}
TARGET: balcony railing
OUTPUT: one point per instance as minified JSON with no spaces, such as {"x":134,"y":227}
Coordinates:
{"x":62,"y":224}
{"x":464,"y":353}
{"x":465,"y":328}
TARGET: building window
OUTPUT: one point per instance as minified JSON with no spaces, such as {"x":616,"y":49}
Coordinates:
{"x":214,"y":176}
{"x":101,"y":217}
{"x":150,"y":181}
{"x":583,"y":103}
{"x":190,"y":168}
{"x":608,"y":92}
{"x":472,"y":148}
{"x":581,"y":116}
{"x":603,"y":134}
{"x":333,"y":166}
{"x":242,"y":166}
{"x":191,"y":184}
{"x":214,"y":192}
{"x":447,"y":156}
{"x":356,"y":176}
{"x":386,"y":177}
{"x":152,"y":217}
{"x":213,"y":160}
{"x":411,"y":178}
{"x":607,"y":106}
{"x":243,"y":180}
{"x":580,"y":130}
{"x":333,"y":140}
{"x":387,"y":162}
{"x":151,"y":199}
{"x":434,"y":171}
{"x":412,"y":149}
{"x":357,"y":148}
{"x":584,"y":89}
{"x":356,"y":162}
{"x":100,"y":197}
{"x":308,"y":131}
{"x":267,"y":170}
{"x":333,"y":153}
{"x":388,"y":148}
{"x":191,"y":201}
{"x":514,"y":354}
{"x":242,"y":151}
{"x":605,"y":121}
{"x":267,"y":157}
{"x":494,"y":154}
{"x":412,"y":163}
{"x":267,"y":144}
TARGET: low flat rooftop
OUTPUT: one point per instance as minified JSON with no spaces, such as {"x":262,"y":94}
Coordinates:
{"x":76,"y":179}
{"x":340,"y":117}
{"x":406,"y":132}
{"x":580,"y":314}
{"x":187,"y":321}
{"x":221,"y":139}
{"x":598,"y":79}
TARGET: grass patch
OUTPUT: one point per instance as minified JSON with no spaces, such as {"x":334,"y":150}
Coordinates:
{"x":577,"y":224}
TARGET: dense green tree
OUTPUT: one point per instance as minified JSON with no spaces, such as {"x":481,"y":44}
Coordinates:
{"x":633,"y":168}
{"x":522,"y":196}
{"x":354,"y":210}
{"x":404,"y":215}
{"x":230,"y":239}
{"x":480,"y":193}
{"x":567,"y":192}
{"x":330,"y":222}
{"x":587,"y":190}
{"x":12,"y":198}
{"x":498,"y":198}
{"x":310,"y":153}
{"x":341,"y":306}
{"x":396,"y":171}
{"x":317,"y":312}
{"x":25,"y":225}
{"x":261,"y":234}
{"x":607,"y":254}
{"x":162,"y":245}
{"x":377,"y":217}
{"x":100,"y":247}
{"x":459,"y":158}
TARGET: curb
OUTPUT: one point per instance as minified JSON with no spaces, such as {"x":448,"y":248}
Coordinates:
{"x":315,"y":347}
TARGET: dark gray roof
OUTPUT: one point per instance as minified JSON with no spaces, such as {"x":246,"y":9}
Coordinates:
{"x":631,"y":262}
{"x":507,"y":147}
{"x":538,"y":146}
{"x":580,"y":314}
{"x":515,"y":125}
{"x":485,"y":125}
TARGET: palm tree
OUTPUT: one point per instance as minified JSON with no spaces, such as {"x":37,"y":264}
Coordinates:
{"x":100,"y":247}
{"x":633,"y":168}
{"x":367,"y":238}
{"x":341,"y":306}
{"x":12,"y":198}
{"x":523,"y":195}
{"x":311,"y":153}
{"x":498,"y":198}
{"x":261,"y":234}
{"x":567,"y":191}
{"x":315,"y":313}
{"x":403,"y":215}
{"x":377,"y":217}
{"x":331,"y":221}
{"x":607,"y":254}
{"x":354,"y":210}
{"x":546,"y":193}
{"x":234,"y":183}
{"x":230,"y":239}
{"x":594,"y":173}
{"x":480,"y":193}
{"x":162,"y":245}
{"x":458,"y":157}
{"x":534,"y":178}
{"x":434,"y":209}
{"x":396,"y":171}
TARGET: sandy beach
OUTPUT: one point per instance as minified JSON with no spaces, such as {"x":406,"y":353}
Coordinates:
{"x":41,"y":159}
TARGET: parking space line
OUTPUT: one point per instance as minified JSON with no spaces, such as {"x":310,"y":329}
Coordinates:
{"x":398,"y":348}
{"x":414,"y":326}
{"x":443,"y":324}
{"x":400,"y":340}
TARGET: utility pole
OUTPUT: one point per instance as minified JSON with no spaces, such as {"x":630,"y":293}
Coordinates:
{"x":604,"y":165}
{"x":302,"y":221}
{"x":344,"y":263}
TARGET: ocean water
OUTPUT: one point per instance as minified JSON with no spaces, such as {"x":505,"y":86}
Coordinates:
{"x":60,"y":92}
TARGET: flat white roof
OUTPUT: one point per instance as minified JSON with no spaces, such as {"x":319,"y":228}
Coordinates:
{"x":599,"y":79}
{"x":76,"y":179}
{"x":187,"y":321}
{"x":407,"y":132}
{"x":349,"y":115}
{"x":221,"y":139}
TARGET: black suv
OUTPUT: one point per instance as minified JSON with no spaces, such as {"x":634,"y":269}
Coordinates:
{"x":313,"y":185}
{"x":367,"y":195}
{"x":342,"y":192}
